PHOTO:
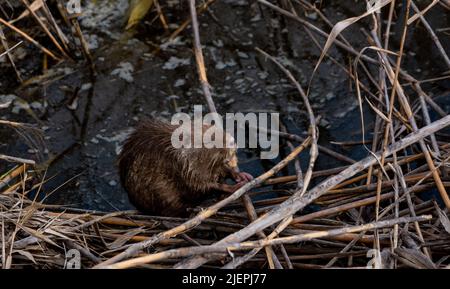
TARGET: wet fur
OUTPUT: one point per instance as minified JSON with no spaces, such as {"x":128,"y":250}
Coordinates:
{"x":163,"y":180}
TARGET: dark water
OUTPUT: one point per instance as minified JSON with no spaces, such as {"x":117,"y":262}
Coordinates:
{"x":83,"y":141}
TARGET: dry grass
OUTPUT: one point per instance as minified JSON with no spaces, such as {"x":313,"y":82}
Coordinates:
{"x":367,"y":208}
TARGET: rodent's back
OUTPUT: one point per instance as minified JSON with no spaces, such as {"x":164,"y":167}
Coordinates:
{"x":148,"y":168}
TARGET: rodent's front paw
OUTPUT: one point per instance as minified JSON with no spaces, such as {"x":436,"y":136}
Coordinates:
{"x":243,"y":177}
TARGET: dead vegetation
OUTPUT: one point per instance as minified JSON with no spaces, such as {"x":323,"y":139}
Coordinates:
{"x":371,"y":213}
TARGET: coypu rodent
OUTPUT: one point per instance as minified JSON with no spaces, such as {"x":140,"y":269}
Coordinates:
{"x":163,"y":180}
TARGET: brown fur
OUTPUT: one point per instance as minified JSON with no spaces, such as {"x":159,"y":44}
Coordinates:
{"x":163,"y":180}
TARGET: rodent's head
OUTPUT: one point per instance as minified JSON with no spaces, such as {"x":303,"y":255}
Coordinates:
{"x":214,"y":153}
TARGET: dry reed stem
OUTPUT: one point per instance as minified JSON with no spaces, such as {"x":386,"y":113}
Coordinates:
{"x":28,"y":38}
{"x":292,"y":205}
{"x":192,"y":251}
